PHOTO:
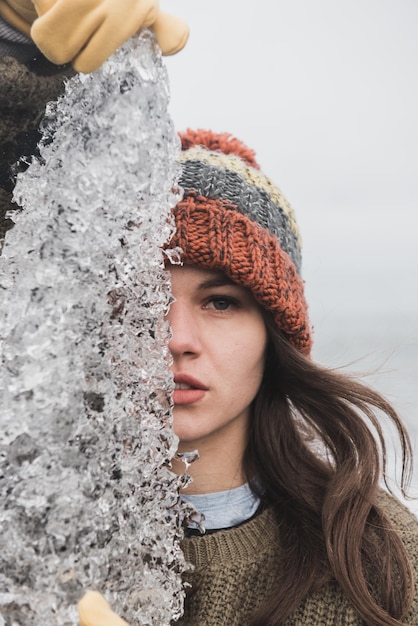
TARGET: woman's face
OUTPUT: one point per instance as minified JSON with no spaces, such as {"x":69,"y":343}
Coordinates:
{"x":218,"y":347}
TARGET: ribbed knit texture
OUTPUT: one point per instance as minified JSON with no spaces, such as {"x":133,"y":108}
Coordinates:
{"x":214,"y":235}
{"x":236,"y":570}
{"x":227,"y":177}
{"x":234,"y":219}
{"x":9,"y":33}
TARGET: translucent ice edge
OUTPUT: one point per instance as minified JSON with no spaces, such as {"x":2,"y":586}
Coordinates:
{"x":87,"y":499}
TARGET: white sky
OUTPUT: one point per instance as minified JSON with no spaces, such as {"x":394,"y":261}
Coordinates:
{"x":326,"y":92}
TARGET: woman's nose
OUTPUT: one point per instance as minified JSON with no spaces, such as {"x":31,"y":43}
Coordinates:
{"x":185,"y":335}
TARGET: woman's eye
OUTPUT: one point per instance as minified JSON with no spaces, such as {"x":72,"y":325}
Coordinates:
{"x":220,"y":303}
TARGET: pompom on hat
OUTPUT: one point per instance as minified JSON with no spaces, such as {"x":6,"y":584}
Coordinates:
{"x":234,"y":219}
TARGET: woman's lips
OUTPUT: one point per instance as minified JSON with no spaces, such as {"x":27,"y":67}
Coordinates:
{"x":187,"y":389}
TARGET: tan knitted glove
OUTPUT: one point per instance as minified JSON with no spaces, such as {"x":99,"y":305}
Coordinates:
{"x":93,"y":610}
{"x":87,"y":32}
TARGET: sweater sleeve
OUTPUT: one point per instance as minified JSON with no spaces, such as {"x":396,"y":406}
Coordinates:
{"x":27,"y":82}
{"x":15,"y":44}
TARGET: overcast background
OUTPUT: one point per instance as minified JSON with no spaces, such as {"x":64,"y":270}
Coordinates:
{"x":326,"y":93}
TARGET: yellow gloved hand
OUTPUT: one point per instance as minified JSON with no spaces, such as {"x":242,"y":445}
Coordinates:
{"x":19,"y":13}
{"x":93,"y":610}
{"x":87,"y":32}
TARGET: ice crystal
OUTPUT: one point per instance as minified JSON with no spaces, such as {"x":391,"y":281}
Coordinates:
{"x":87,"y":497}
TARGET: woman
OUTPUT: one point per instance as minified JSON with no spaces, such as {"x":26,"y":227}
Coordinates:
{"x":285,"y":446}
{"x":297,"y":529}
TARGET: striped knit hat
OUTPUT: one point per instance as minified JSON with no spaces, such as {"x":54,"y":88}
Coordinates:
{"x":232,"y":218}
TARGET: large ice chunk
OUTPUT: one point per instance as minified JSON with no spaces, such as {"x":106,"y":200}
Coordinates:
{"x":87,"y":498}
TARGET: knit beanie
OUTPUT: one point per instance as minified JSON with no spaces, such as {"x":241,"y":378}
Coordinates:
{"x":234,"y":219}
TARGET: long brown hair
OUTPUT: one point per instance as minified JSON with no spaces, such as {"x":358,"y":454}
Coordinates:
{"x":317,"y":448}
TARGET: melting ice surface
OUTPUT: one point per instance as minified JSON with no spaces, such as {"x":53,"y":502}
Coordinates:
{"x":86,"y":437}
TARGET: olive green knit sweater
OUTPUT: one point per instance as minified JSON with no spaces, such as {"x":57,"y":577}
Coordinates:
{"x":235,"y":571}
